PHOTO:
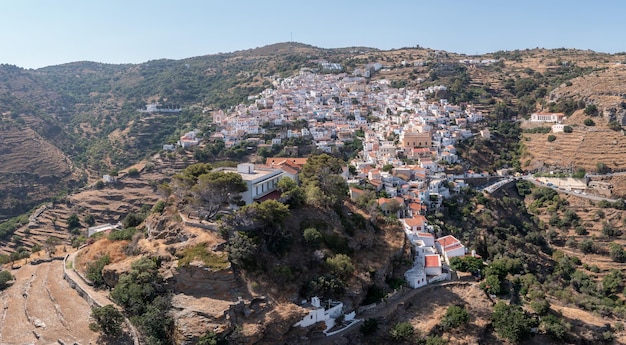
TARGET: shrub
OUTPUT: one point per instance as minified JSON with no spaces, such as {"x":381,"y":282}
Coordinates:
{"x":158,"y":207}
{"x":341,"y":264}
{"x":614,"y":125}
{"x":94,"y":271}
{"x":208,"y":339}
{"x":312,"y":236}
{"x":455,"y":316}
{"x":5,"y":277}
{"x":402,"y":331}
{"x":589,"y":122}
{"x":122,"y":235}
{"x":551,"y":138}
{"x":435,"y":340}
{"x":567,"y":129}
{"x":554,"y":327}
{"x":133,"y":172}
{"x":617,"y":253}
{"x":591,"y":110}
{"x":132,"y":219}
{"x":541,"y":306}
{"x":609,"y":230}
{"x":587,"y":246}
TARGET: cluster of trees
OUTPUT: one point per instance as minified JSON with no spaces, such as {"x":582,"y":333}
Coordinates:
{"x":142,"y":295}
{"x":204,"y":190}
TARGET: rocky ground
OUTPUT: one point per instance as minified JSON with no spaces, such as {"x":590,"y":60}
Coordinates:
{"x":41,"y":308}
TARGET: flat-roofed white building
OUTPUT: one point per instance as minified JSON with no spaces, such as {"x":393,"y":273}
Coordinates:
{"x":261,"y":181}
{"x":547,"y":117}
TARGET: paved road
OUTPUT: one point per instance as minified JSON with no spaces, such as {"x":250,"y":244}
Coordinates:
{"x":580,"y":195}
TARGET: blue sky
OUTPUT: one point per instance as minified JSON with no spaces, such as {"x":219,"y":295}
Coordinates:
{"x":37,"y":33}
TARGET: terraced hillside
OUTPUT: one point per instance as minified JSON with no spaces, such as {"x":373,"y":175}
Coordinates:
{"x":108,"y":205}
{"x":584,"y":148}
{"x":30,"y":167}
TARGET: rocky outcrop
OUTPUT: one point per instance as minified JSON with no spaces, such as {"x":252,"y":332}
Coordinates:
{"x":197,"y":280}
{"x":112,"y":272}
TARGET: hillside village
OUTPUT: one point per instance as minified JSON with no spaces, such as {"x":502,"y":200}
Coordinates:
{"x":406,"y":167}
{"x":407,"y":142}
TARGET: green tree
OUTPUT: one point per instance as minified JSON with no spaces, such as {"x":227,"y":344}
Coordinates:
{"x":322,"y":182}
{"x":216,"y":188}
{"x":133,"y":219}
{"x":555,"y":327}
{"x":341,"y":265}
{"x":568,"y":129}
{"x":402,"y":331}
{"x":107,"y":319}
{"x":492,"y":285}
{"x":551,"y":137}
{"x":138,"y":287}
{"x":94,"y":271}
{"x":591,"y":110}
{"x":617,"y":253}
{"x":242,"y":250}
{"x":510,"y":322}
{"x":89,"y":219}
{"x":589,"y":122}
{"x":466,"y":264}
{"x":73,"y":222}
{"x":291,"y":193}
{"x":326,"y":287}
{"x":540,"y":306}
{"x":613,"y":283}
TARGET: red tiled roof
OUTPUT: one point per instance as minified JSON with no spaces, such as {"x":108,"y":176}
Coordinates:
{"x":447,"y":241}
{"x":432,"y":261}
{"x":453,"y":247}
{"x":415,"y":221}
{"x":425,"y":234}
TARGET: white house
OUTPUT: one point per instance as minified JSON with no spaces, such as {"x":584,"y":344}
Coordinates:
{"x":449,"y":247}
{"x":558,"y":128}
{"x":546,"y":117}
{"x":416,"y":277}
{"x":432,"y":264}
{"x":415,"y":224}
{"x":426,"y":237}
{"x":318,"y":313}
{"x":260,"y":181}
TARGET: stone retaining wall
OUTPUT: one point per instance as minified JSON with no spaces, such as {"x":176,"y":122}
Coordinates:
{"x":91,"y":301}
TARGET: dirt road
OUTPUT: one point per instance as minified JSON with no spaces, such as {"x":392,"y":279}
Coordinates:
{"x":41,"y":308}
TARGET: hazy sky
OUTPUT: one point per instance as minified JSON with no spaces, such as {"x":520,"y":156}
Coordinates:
{"x":45,"y":32}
